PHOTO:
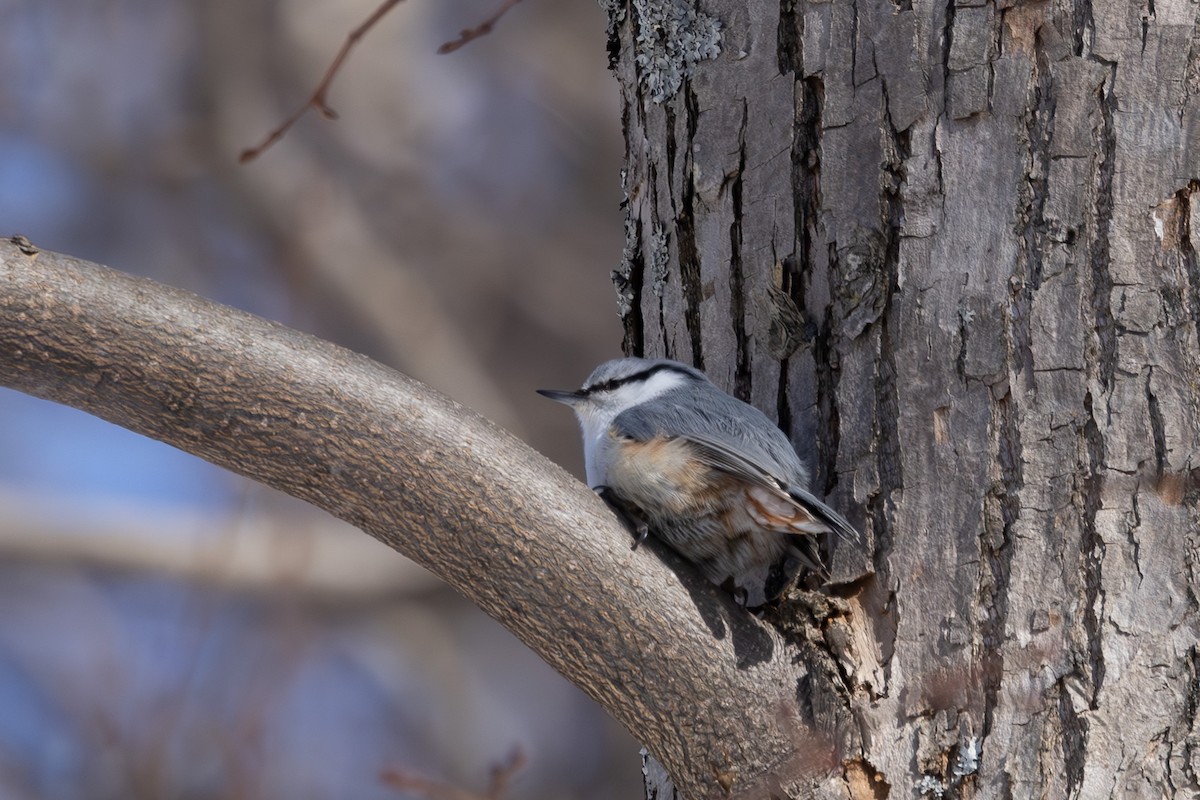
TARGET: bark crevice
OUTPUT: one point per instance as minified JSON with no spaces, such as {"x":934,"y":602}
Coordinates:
{"x":1102,"y":282}
{"x":737,"y":280}
{"x":1032,"y":230}
{"x":685,"y":232}
{"x":997,"y":549}
{"x":1191,"y":264}
{"x":1092,"y":547}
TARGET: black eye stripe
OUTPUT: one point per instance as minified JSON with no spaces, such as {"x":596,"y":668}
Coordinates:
{"x":645,"y":374}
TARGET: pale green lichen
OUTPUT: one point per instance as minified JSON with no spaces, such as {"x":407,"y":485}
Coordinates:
{"x":614,"y":12}
{"x":660,"y":256}
{"x":670,"y":36}
{"x":967,"y":763}
{"x":622,"y":277}
{"x":969,"y":753}
{"x":931,"y":786}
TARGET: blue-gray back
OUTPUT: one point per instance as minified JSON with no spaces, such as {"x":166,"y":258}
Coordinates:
{"x":701,"y":411}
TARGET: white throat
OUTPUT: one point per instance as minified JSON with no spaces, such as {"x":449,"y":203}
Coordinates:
{"x":596,"y":415}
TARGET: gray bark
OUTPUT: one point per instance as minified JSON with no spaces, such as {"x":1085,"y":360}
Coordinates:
{"x":952,"y":248}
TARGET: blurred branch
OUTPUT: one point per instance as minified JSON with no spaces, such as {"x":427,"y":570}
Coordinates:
{"x":709,"y":689}
{"x":317,"y":100}
{"x":255,"y":551}
{"x":324,"y":227}
{"x":482,"y":29}
{"x":435,"y":790}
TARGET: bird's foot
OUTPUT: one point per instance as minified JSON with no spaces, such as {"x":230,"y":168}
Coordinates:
{"x":636,"y":524}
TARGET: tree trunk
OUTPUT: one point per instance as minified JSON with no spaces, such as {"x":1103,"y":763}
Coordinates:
{"x":950,"y":248}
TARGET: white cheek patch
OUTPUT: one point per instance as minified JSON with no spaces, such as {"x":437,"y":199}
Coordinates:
{"x":659,"y":383}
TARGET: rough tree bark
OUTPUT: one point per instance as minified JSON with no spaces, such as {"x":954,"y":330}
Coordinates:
{"x":952,"y":247}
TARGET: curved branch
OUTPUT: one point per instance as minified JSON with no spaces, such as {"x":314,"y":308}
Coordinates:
{"x":711,"y":691}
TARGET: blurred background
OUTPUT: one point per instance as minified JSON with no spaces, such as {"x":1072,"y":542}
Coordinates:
{"x":171,"y":630}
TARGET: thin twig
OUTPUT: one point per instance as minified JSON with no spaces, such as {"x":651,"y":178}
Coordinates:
{"x":398,"y":779}
{"x":482,"y":29}
{"x":501,"y":774}
{"x":317,"y":100}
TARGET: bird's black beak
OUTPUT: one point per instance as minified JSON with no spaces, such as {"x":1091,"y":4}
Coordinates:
{"x":561,"y":395}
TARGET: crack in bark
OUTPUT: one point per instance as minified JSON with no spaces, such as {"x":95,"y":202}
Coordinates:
{"x":789,"y":49}
{"x":826,"y":356}
{"x":668,"y":350}
{"x":632,"y":342}
{"x":1156,"y":427}
{"x":806,"y":180}
{"x":671,"y":147}
{"x":1192,"y":712}
{"x":998,"y":559}
{"x":887,"y":428}
{"x":1092,"y":545}
{"x":685,"y":232}
{"x":1102,"y":283}
{"x":806,"y":188}
{"x":1074,"y":739}
{"x":887,"y":400}
{"x":797,"y":272}
{"x":960,"y":360}
{"x":1191,"y":73}
{"x":741,"y":375}
{"x":947,"y":41}
{"x":1136,"y":513}
{"x":854,"y":41}
{"x":1032,"y":234}
{"x":783,"y":408}
{"x":1191,"y":266}
{"x":1084,"y":26}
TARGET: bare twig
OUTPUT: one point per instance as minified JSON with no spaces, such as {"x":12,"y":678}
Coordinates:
{"x":433,"y":790}
{"x":502,"y":773}
{"x":317,"y":100}
{"x":482,"y":29}
{"x":436,"y":790}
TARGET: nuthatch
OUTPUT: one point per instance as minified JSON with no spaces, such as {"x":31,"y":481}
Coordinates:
{"x":708,"y":474}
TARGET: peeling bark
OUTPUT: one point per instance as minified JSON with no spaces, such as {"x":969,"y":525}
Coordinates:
{"x":951,"y":248}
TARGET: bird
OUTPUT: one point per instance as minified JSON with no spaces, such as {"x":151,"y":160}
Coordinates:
{"x":711,"y":476}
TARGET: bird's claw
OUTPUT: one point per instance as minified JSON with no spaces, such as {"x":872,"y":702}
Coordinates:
{"x":639,"y":534}
{"x":637,"y":526}
{"x":739,"y":593}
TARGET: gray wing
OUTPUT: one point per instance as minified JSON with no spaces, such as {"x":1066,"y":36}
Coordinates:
{"x":734,"y":438}
{"x":716,"y":454}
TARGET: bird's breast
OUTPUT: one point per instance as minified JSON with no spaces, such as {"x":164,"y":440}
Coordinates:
{"x":662,"y":476}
